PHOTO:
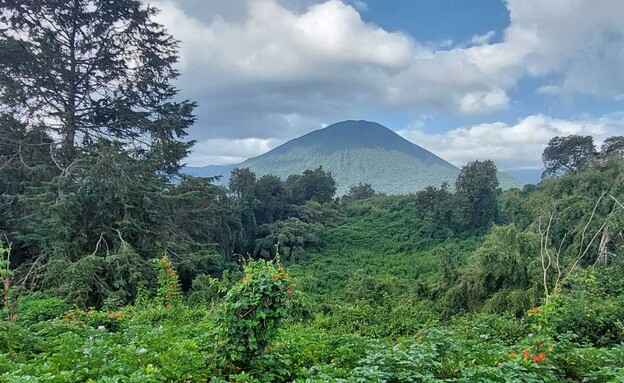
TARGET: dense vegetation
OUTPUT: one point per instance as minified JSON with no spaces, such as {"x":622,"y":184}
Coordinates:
{"x":117,"y":268}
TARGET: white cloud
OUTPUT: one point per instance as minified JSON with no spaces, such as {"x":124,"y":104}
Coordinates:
{"x":253,"y":64}
{"x":360,"y":5}
{"x":580,"y":40}
{"x":479,"y":102}
{"x":222,"y":151}
{"x":322,"y":63}
{"x":549,"y":89}
{"x":275,"y":44}
{"x":512,"y":147}
{"x":483,"y":39}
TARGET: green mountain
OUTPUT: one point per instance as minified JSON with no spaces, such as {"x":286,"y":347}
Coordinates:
{"x":354,"y":152}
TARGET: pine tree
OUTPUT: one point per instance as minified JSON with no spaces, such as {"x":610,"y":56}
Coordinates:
{"x":97,"y":136}
{"x":92,"y":70}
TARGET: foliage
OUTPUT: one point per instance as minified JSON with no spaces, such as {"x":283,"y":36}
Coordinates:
{"x":313,"y":185}
{"x":613,"y":145}
{"x":358,"y":192}
{"x":180,"y":349}
{"x":591,"y":309}
{"x":567,"y":153}
{"x":89,"y":187}
{"x":39,"y":307}
{"x":67,"y":350}
{"x":440,"y":212}
{"x":387,"y":284}
{"x":205,"y":291}
{"x":292,"y":236}
{"x":242,"y":182}
{"x":93,"y":70}
{"x":252,"y":311}
{"x":436,"y":286}
{"x":515,"y":208}
{"x":6,"y":277}
{"x":271,"y":194}
{"x":380,"y":316}
{"x":24,"y":164}
{"x":497,"y":277}
{"x":476,"y":187}
{"x":168,"y":285}
{"x":95,"y":280}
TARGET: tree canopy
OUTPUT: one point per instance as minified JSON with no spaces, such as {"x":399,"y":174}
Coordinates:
{"x":476,"y":185}
{"x":567,"y":153}
{"x":317,"y":185}
{"x":359,"y":192}
{"x":613,"y":145}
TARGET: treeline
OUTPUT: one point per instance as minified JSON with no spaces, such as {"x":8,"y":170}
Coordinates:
{"x":89,"y":236}
{"x":534,"y":243}
{"x":565,"y":235}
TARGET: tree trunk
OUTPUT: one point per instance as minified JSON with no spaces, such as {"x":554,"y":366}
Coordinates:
{"x":603,"y":250}
{"x":69,"y":150}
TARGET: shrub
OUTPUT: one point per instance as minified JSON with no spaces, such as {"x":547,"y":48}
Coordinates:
{"x":250,"y":315}
{"x":38,"y":307}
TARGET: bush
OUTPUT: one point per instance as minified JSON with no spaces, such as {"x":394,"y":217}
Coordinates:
{"x":38,"y":307}
{"x":599,"y":322}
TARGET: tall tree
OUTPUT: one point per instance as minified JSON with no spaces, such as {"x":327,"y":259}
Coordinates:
{"x":438,"y":210}
{"x":316,"y":185}
{"x":24,"y":164}
{"x":271,"y":195}
{"x":88,"y":88}
{"x":242,"y":182}
{"x":476,"y":185}
{"x":358,"y":192}
{"x":567,"y":154}
{"x":93,"y":70}
{"x":613,"y":145}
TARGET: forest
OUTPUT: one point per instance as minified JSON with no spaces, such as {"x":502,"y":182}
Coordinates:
{"x":117,"y":267}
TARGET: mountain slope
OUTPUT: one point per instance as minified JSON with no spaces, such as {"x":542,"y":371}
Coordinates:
{"x":354,"y":152}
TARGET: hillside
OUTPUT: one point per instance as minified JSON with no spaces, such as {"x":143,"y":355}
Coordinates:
{"x":376,"y":298}
{"x":355,"y":152}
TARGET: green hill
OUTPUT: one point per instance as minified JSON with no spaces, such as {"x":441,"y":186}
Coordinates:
{"x":355,"y":152}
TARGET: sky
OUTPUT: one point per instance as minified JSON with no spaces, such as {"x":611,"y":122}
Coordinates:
{"x":465,"y":79}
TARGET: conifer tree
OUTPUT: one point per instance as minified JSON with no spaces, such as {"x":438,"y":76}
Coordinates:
{"x":93,"y":70}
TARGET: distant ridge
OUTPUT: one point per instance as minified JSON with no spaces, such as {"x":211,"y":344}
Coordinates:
{"x":354,"y":152}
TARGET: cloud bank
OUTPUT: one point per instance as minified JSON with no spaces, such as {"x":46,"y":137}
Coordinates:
{"x":512,"y":147}
{"x":269,"y":70}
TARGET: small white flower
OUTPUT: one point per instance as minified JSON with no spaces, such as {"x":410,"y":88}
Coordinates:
{"x":485,"y":336}
{"x":141,"y":351}
{"x":101,"y":328}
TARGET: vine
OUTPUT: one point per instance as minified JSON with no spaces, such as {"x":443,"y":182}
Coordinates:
{"x":253,"y":309}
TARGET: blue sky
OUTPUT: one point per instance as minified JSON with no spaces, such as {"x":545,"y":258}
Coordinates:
{"x":465,"y":79}
{"x":439,"y":20}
